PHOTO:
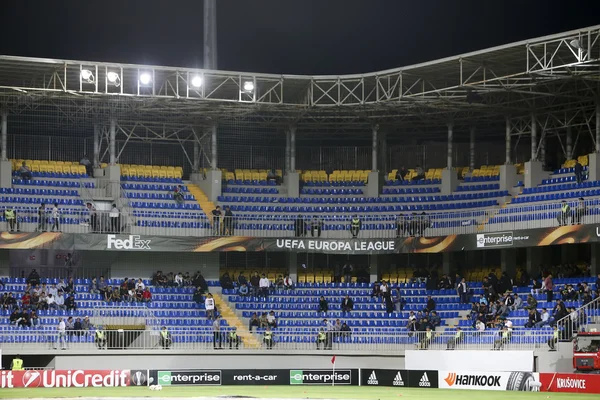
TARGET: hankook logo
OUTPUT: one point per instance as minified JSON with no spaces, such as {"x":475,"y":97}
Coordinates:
{"x":496,"y":239}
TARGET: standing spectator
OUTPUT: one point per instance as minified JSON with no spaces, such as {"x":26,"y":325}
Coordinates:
{"x":209,"y":305}
{"x":355,"y":226}
{"x":549,"y":288}
{"x":25,"y":172}
{"x":288,"y":283}
{"x":347,"y":272}
{"x":228,"y":222}
{"x":580,"y":211}
{"x":61,"y":331}
{"x":55,"y":215}
{"x":217,"y":333}
{"x":102,"y":286}
{"x":578,"y":169}
{"x":564,"y":214}
{"x":264,"y":285}
{"x":430,"y":304}
{"x":387,"y":299}
{"x":216,"y":220}
{"x":42,"y":218}
{"x":316,"y":224}
{"x":33,"y":278}
{"x":115,"y":217}
{"x":299,"y":226}
{"x":463,"y":291}
{"x":89,"y":168}
{"x":323,"y":306}
{"x":93,"y":216}
{"x":347,"y":304}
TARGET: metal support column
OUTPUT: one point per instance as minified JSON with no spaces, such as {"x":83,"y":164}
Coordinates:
{"x":472,"y":149}
{"x":292,"y":148}
{"x":543,"y":149}
{"x":287,"y":151}
{"x":569,"y":154}
{"x":96,"y":155}
{"x":533,"y":138}
{"x":450,"y":136}
{"x":4,"y":132}
{"x":112,"y":142}
{"x":374,"y":131}
{"x":508,"y":160}
{"x":196,"y":166}
{"x":210,"y":34}
{"x":598,"y":126}
{"x":213,"y":147}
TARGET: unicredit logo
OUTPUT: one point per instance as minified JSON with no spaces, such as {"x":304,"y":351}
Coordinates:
{"x":569,"y":383}
{"x":65,"y":378}
{"x":32,"y":379}
{"x":472,"y":380}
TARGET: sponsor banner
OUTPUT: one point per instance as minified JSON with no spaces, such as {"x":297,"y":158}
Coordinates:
{"x":64,"y":378}
{"x":139,"y":378}
{"x":256,"y":377}
{"x":423,"y":379}
{"x":571,"y":383}
{"x":478,"y":380}
{"x":383,"y":377}
{"x":462,"y":360}
{"x":475,"y":241}
{"x":323,"y":377}
{"x":186,"y":377}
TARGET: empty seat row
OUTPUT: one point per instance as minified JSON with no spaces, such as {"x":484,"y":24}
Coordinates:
{"x":250,"y":190}
{"x":166,"y":205}
{"x":330,"y":192}
{"x":471,"y":188}
{"x":58,"y":183}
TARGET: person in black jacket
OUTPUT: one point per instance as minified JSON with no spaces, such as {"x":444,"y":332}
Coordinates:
{"x":228,"y":222}
{"x":578,"y":169}
{"x":299,"y":226}
{"x":430,"y":304}
{"x":534,"y":318}
{"x":347,"y":304}
{"x":226,"y":282}
{"x":323,"y":306}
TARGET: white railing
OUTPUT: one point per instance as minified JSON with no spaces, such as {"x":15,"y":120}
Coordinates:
{"x":580,"y":319}
{"x":283,"y":340}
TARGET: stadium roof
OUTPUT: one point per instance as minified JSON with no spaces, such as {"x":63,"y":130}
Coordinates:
{"x":558,"y":76}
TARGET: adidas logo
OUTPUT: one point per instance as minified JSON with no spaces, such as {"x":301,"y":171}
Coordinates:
{"x":398,"y":380}
{"x":424,"y":382}
{"x":372,"y":379}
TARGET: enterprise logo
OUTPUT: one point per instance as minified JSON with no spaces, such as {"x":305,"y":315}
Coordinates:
{"x":496,"y":239}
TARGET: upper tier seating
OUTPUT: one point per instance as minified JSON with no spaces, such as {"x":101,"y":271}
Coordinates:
{"x":157,"y":173}
{"x":485,"y":174}
{"x":51,"y":169}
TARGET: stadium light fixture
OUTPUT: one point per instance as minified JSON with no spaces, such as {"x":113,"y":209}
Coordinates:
{"x":248,"y":86}
{"x":197,"y":81}
{"x":87,"y":76}
{"x":576,"y":44}
{"x":145,"y":78}
{"x":113,"y":78}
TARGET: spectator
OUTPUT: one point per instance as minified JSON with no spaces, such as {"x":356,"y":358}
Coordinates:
{"x":217,"y":338}
{"x":506,"y":284}
{"x":426,"y":338}
{"x":419,"y":174}
{"x":216,"y":220}
{"x":228,"y":222}
{"x":272,"y":320}
{"x":93,"y":288}
{"x":34,"y":278}
{"x":402,"y":226}
{"x":321,"y":339}
{"x":61,"y":330}
{"x":59,"y":300}
{"x":11,"y":217}
{"x":165,"y":338}
{"x":316,"y":224}
{"x":243,"y":290}
{"x":479,"y":326}
{"x":264,"y":285}
{"x":55,"y":214}
{"x":199,"y":282}
{"x":226,"y":282}
{"x":554,"y":339}
{"x":503,"y":340}
{"x":288,"y":283}
{"x":70,"y":287}
{"x":457,"y":339}
{"x":178,"y":280}
{"x":299,"y":226}
{"x":463,"y":291}
{"x":434,"y":320}
{"x":580,"y":211}
{"x":272,"y":176}
{"x":279,"y":282}
{"x":25,"y":172}
{"x":178,"y":195}
{"x":70,"y":302}
{"x":531,"y":303}
{"x":412,"y":322}
{"x":564,"y":214}
{"x":534,"y":319}
{"x":15,"y":316}
{"x":355,"y":227}
{"x":398,"y":301}
{"x":254,"y":322}
{"x":89,"y":168}
{"x":51,"y":303}
{"x":70,"y":326}
{"x":430,"y":304}
{"x":197,"y":296}
{"x":402,"y":172}
{"x":146,"y":295}
{"x":545,"y":318}
{"x":347,"y":304}
{"x":115,"y":219}
{"x":139,"y":285}
{"x":549,"y":288}
{"x":345,"y":330}
{"x":387,"y":299}
{"x":264,"y":322}
{"x":93,"y":216}
{"x":255,"y":283}
{"x":35,"y":320}
{"x":323,"y":306}
{"x":233,"y":338}
{"x":86,"y":325}
{"x":42,"y":218}
{"x":517,"y":302}
{"x":578,"y":169}
{"x":268,"y":338}
{"x":78,"y":327}
{"x":376,"y":291}
{"x":209,"y":305}
{"x":241,"y":279}
{"x":347,"y":272}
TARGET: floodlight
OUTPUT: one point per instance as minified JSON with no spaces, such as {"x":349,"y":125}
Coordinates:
{"x":87,"y":75}
{"x":248,"y":86}
{"x":145,"y":78}
{"x":112,"y":77}
{"x":197,"y":81}
{"x":576,"y":44}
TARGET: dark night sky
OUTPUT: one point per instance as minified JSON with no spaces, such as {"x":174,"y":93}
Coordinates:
{"x":281,"y":36}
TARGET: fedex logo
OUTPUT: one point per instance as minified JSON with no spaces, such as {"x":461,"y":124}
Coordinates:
{"x":134,"y":242}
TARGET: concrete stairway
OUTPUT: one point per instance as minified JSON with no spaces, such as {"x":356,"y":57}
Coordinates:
{"x":249,"y":340}
{"x":205,"y":204}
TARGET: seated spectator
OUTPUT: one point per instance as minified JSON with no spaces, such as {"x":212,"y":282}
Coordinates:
{"x":323,"y":306}
{"x":116,"y":296}
{"x":531,"y":303}
{"x":241,"y":279}
{"x":70,"y":303}
{"x":179,"y":195}
{"x":199,"y":282}
{"x":321,"y":339}
{"x":545,"y":318}
{"x":569,"y":294}
{"x":517,"y":302}
{"x":401,"y":173}
{"x":159,"y":279}
{"x":15,"y":316}
{"x":89,"y":168}
{"x":59,"y":300}
{"x":178,"y":280}
{"x":430,"y":304}
{"x":434,"y":320}
{"x":26,"y":300}
{"x":146,"y":295}
{"x":345,"y":330}
{"x":35,"y":320}
{"x":70,"y":326}
{"x":70,"y":288}
{"x":347,"y":304}
{"x":197,"y":297}
{"x":444,"y":283}
{"x":272,"y":176}
{"x":139,"y":285}
{"x":272,"y":320}
{"x":24,"y":321}
{"x":93,"y":288}
{"x":279,"y":282}
{"x":78,"y":327}
{"x":254,"y":322}
{"x":108,"y":294}
{"x":86,"y":325}
{"x":411,"y":325}
{"x":503,"y":340}
{"x":264,"y":322}
{"x":226,"y":282}
{"x":243,"y":290}
{"x":43,"y":302}
{"x":187,"y":279}
{"x":534,"y":318}
{"x":419,"y":174}
{"x":479,"y":326}
{"x":264,"y":285}
{"x":288,"y":283}
{"x":25,"y":172}
{"x":376,"y":292}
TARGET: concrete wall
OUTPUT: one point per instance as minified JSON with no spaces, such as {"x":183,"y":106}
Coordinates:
{"x":134,"y":361}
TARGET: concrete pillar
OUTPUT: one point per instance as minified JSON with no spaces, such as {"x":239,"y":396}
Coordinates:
{"x":210,"y":34}
{"x":373,"y":267}
{"x":569,"y":154}
{"x":543,"y":150}
{"x":374,"y":131}
{"x":508,"y":158}
{"x":598,"y":126}
{"x":594,"y":167}
{"x":5,"y":164}
{"x":292,"y":148}
{"x":508,"y":176}
{"x":213,"y":147}
{"x":292,"y":266}
{"x":96,"y":155}
{"x":534,"y":174}
{"x":450,"y":138}
{"x":292,"y":178}
{"x":112,"y":142}
{"x":287,"y":151}
{"x":449,"y":181}
{"x":595,"y":264}
{"x":446,"y":262}
{"x":472,"y":149}
{"x":196,"y":161}
{"x":533,"y":138}
{"x":508,"y":261}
